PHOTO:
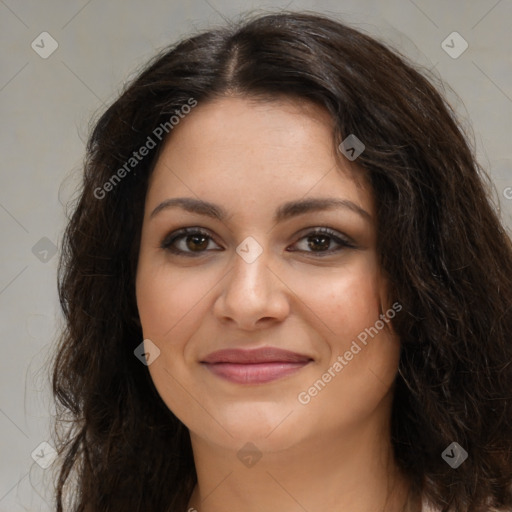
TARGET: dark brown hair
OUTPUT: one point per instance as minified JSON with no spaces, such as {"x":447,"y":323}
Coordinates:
{"x":439,"y":239}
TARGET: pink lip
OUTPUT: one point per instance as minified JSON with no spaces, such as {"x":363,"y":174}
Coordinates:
{"x":255,"y":366}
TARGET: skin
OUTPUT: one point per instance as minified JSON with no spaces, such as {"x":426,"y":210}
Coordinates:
{"x":333,"y":453}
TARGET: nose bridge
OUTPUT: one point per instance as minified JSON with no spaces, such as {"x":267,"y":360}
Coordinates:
{"x":251,"y":290}
{"x":250,"y":275}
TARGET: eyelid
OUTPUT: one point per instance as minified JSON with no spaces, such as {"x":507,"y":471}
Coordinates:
{"x":333,"y":233}
{"x":342,"y":240}
{"x":183,"y":232}
{"x":339,"y":238}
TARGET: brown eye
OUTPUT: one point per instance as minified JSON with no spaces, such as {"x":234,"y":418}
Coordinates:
{"x":187,"y":242}
{"x":196,"y":242}
{"x":320,"y":240}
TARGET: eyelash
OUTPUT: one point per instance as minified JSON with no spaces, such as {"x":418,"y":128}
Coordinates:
{"x":169,"y":240}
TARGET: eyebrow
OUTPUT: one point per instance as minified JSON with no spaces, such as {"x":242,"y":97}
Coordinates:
{"x":284,"y":212}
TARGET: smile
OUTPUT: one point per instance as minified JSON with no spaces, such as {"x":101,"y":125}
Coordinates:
{"x":256,"y":366}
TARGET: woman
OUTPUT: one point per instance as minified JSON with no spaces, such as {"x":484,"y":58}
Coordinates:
{"x":285,"y":288}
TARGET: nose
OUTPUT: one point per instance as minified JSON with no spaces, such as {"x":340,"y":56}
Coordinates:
{"x":252,"y":295}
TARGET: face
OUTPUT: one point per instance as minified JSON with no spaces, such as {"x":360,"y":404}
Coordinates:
{"x":270,"y":312}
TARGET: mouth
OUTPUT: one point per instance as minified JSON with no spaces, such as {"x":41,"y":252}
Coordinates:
{"x":256,"y":366}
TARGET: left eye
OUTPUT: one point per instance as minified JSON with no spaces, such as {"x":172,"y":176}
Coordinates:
{"x":322,"y":238}
{"x":194,"y":242}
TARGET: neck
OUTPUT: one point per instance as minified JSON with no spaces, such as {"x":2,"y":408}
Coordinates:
{"x":354,"y":471}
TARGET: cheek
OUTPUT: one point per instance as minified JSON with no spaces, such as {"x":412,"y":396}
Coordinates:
{"x":169,"y":305}
{"x":348,"y":306}
{"x":355,"y":379}
{"x":168,"y":301}
{"x":345,"y":301}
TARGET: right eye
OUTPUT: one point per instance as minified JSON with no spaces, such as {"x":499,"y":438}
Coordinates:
{"x":190,"y":242}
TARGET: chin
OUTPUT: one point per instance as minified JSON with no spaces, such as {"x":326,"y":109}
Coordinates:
{"x":271,"y":427}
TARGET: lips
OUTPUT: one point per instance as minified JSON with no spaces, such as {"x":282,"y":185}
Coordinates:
{"x":255,"y":366}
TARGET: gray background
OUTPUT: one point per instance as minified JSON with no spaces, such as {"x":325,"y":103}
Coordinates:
{"x":46,"y":106}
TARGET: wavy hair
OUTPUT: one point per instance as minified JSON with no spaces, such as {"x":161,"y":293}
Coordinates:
{"x":439,"y":239}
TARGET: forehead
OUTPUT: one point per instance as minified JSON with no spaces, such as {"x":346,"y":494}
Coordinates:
{"x":259,"y":151}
